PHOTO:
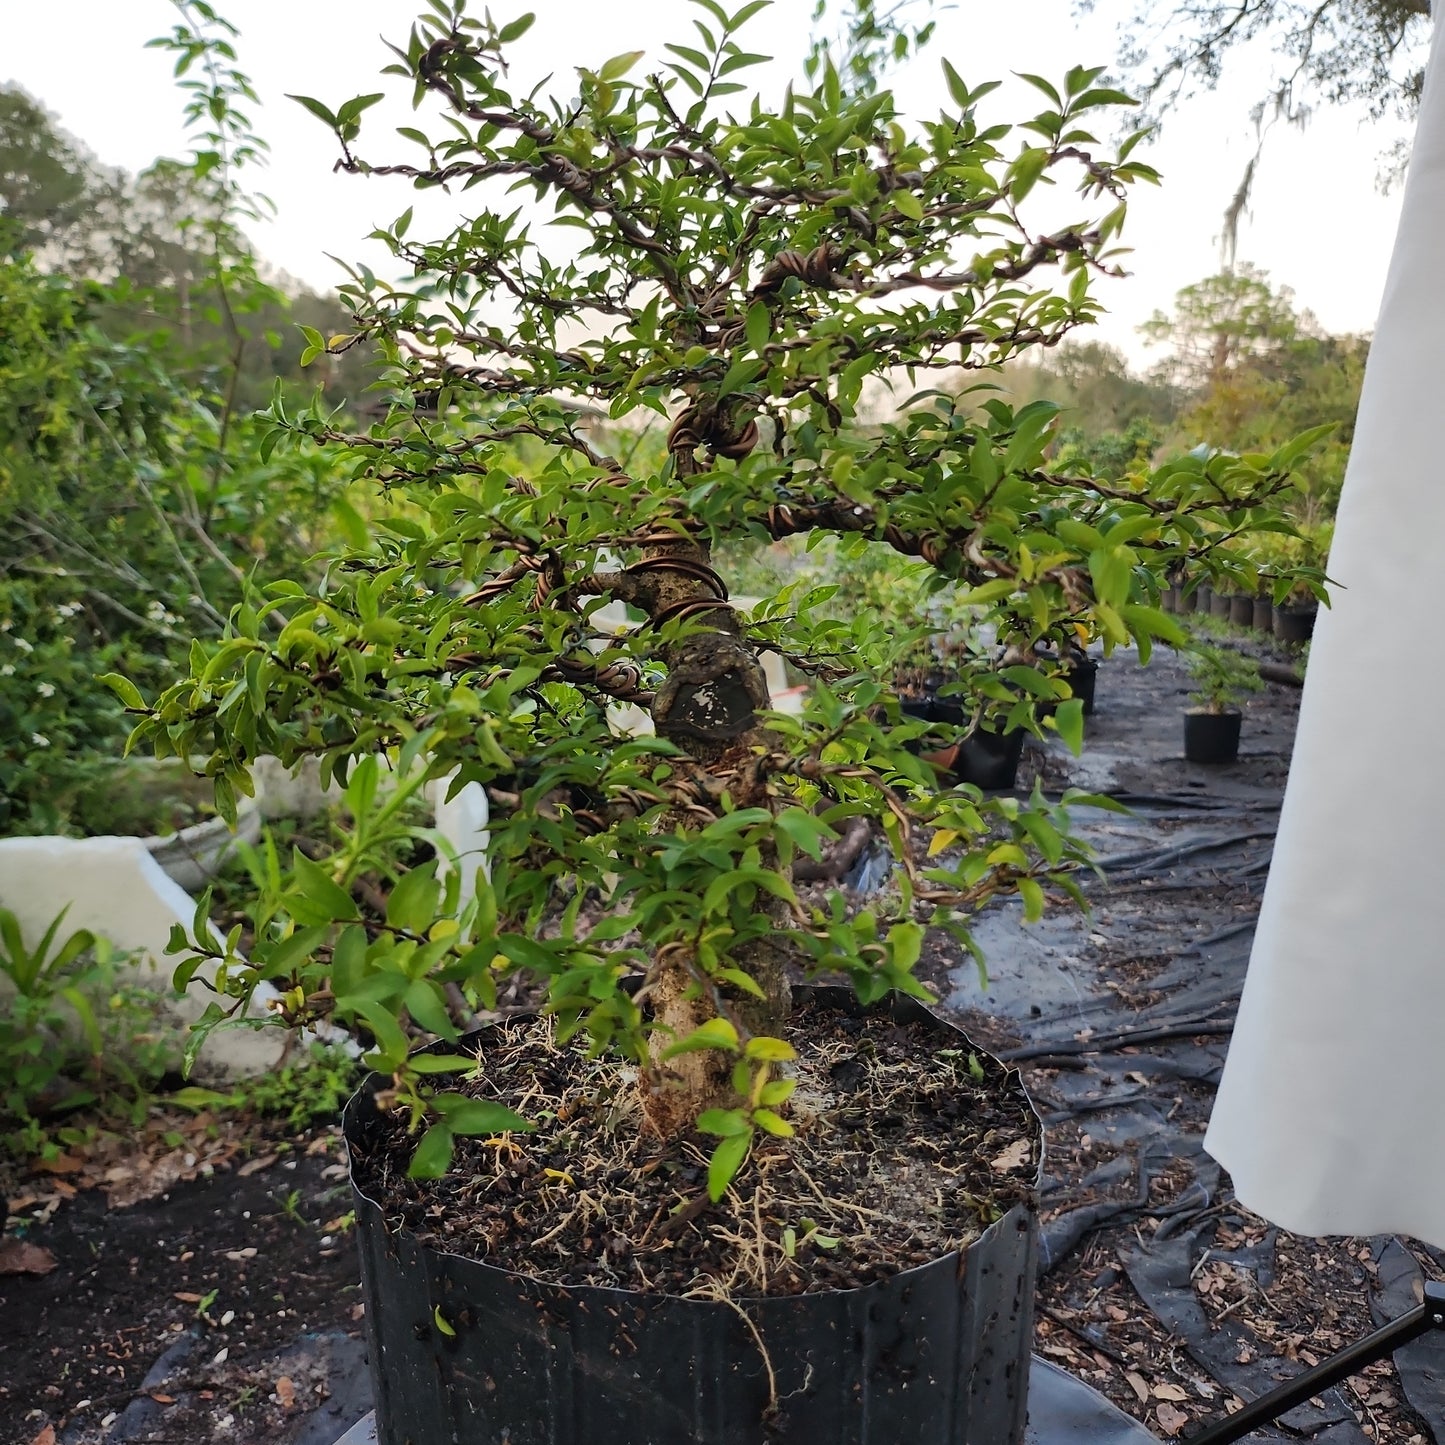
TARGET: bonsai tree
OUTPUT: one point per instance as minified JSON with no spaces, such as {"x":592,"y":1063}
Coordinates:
{"x":662,"y":252}
{"x":1222,"y":678}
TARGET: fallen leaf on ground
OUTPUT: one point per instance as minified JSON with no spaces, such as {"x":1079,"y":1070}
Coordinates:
{"x":61,"y":1164}
{"x":164,"y":1399}
{"x":1170,"y":1392}
{"x":1171,"y":1421}
{"x":187,"y":1298}
{"x":45,"y":1437}
{"x":255,"y":1166}
{"x":18,"y":1256}
{"x":1015,"y":1156}
{"x":286,"y":1392}
{"x":1137,"y":1385}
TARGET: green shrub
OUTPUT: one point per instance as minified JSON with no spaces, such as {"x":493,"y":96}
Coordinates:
{"x":74,"y":1032}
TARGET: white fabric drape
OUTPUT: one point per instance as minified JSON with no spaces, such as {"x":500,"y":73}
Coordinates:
{"x":1331,"y":1113}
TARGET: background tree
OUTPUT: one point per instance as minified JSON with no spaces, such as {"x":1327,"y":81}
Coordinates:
{"x":134,"y":499}
{"x":1112,"y":419}
{"x":152,"y":240}
{"x":1253,"y":372}
{"x":1338,"y":52}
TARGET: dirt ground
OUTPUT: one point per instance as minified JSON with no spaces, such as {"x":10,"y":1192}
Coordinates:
{"x":226,"y":1307}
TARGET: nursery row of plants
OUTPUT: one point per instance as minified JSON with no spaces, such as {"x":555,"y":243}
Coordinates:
{"x":732,"y":328}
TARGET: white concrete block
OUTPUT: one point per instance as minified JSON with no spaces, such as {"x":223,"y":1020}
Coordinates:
{"x":462,"y":822}
{"x":117,"y":890}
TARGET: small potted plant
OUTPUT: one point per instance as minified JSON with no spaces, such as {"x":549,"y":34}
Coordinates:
{"x":1298,"y":598}
{"x":1222,"y":679}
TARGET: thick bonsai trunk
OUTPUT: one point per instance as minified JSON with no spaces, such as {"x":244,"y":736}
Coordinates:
{"x":676,"y":1091}
{"x":708,"y":706}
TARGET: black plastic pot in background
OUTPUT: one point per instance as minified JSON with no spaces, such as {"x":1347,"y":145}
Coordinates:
{"x":1169,"y":600}
{"x":1295,"y":624}
{"x":1082,"y":676}
{"x":1211,"y":737}
{"x":1203,"y":595}
{"x":990,"y":760}
{"x":1219,"y":605}
{"x":1263,"y":614}
{"x":1241,"y":610}
{"x":937,"y":1355}
{"x":986,"y":759}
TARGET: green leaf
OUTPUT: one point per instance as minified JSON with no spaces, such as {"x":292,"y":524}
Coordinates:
{"x":759,"y":325}
{"x":906,"y":203}
{"x":769,"y":1050}
{"x":351,"y":111}
{"x":1091,"y":98}
{"x":413,"y":902}
{"x":714,"y":1034}
{"x":516,"y":29}
{"x":315,"y":107}
{"x":124,"y":689}
{"x":726,"y":1160}
{"x":426,"y":1004}
{"x":1025,"y":171}
{"x":433,"y":1155}
{"x":353,"y":524}
{"x":1039,"y":83}
{"x":441,"y":1063}
{"x":956,"y":88}
{"x":192,"y":1097}
{"x":619,"y":65}
{"x":1033,"y":897}
{"x":807,"y":831}
{"x":283,"y":957}
{"x":391,"y":1044}
{"x":1112,"y":570}
{"x":728,"y":1123}
{"x":905,"y":940}
{"x":1069,"y":724}
{"x":1151,"y":622}
{"x":772,"y":1123}
{"x":315,"y":896}
{"x":479,"y":1116}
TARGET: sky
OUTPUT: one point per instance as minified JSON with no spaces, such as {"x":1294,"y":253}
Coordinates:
{"x":1318,"y":222}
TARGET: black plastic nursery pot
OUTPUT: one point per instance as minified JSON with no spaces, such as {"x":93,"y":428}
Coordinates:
{"x":1219,"y":605}
{"x":988,"y":760}
{"x":1241,"y":610}
{"x":1200,"y":599}
{"x":1263,"y":615}
{"x":935,"y":1355}
{"x":1082,"y":678}
{"x":1211,"y":737}
{"x":1295,"y":624}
